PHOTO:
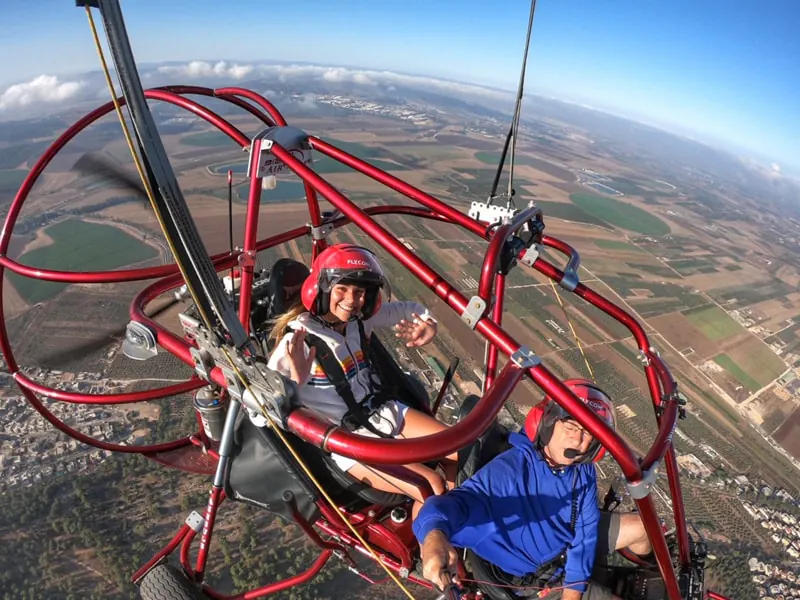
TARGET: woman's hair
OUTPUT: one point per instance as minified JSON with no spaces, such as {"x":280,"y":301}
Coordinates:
{"x":280,"y":324}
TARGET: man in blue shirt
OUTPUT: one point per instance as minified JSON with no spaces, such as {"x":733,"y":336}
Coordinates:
{"x":531,"y":508}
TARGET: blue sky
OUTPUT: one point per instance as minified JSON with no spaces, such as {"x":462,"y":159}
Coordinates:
{"x":726,"y":71}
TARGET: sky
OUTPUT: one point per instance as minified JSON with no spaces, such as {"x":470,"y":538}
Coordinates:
{"x":720,"y":71}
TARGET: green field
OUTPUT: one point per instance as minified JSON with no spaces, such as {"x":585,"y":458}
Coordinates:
{"x":713,"y":322}
{"x":429,"y":151}
{"x":620,"y":214}
{"x":10,"y":180}
{"x":727,"y":363}
{"x":78,"y":246}
{"x":568,"y":212}
{"x":209,"y":139}
{"x":614,"y":245}
{"x":658,"y":270}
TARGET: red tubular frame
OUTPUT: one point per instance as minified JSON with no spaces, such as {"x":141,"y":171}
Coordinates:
{"x":305,"y":423}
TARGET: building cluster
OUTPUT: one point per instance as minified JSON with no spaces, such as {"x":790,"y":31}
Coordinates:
{"x":784,"y":527}
{"x":775,"y":583}
{"x":32,"y":450}
{"x":405,"y":112}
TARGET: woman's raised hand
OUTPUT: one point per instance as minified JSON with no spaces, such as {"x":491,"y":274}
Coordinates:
{"x":417,"y":332}
{"x":299,"y":363}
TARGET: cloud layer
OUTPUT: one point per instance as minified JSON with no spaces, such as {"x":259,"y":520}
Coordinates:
{"x":366,"y":77}
{"x":44,"y":88}
{"x":198,"y":68}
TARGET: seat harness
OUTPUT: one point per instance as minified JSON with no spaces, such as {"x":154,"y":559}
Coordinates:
{"x":358,"y":414}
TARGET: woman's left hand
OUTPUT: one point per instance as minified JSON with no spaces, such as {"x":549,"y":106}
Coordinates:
{"x":417,"y":332}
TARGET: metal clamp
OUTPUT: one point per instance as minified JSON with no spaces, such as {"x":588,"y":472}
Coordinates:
{"x":525,"y":358}
{"x":473,"y":311}
{"x":247,"y":259}
{"x":570,"y":281}
{"x":641,"y":489}
{"x":320,"y":232}
{"x":196,"y":521}
{"x":531,"y":254}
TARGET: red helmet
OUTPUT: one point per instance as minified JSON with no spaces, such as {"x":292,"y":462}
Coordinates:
{"x":343,"y":263}
{"x":542,"y":418}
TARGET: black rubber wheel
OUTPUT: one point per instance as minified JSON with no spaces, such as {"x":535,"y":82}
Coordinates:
{"x":166,"y":582}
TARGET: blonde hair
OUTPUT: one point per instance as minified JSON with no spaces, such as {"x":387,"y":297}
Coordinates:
{"x":280,"y":324}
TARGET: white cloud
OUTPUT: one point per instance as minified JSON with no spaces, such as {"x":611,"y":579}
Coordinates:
{"x":198,"y":68}
{"x":776,"y":167}
{"x":44,"y":88}
{"x":364,"y":77}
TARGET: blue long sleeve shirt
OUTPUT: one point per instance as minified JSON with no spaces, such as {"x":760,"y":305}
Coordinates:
{"x":515,"y":513}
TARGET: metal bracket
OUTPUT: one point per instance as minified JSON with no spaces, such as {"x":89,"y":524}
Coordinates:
{"x":196,"y":521}
{"x":641,"y":489}
{"x":268,"y":389}
{"x":644,"y":358}
{"x":525,"y":358}
{"x":140,"y":341}
{"x":321,"y":231}
{"x":491,"y":213}
{"x":531,"y":255}
{"x":203,"y":363}
{"x":293,"y":139}
{"x":474,"y":311}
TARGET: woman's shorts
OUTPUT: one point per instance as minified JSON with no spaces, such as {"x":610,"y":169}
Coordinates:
{"x":388,"y":419}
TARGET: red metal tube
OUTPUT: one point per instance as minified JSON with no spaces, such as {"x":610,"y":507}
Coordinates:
{"x":715,"y":596}
{"x":303,"y":577}
{"x":398,"y":185}
{"x":311,"y":429}
{"x":652,"y":525}
{"x":491,"y":260}
{"x":185,"y":558}
{"x":215,"y":498}
{"x":90,"y":441}
{"x":663,"y":439}
{"x":497,"y":317}
{"x":248,"y":256}
{"x":308,"y":426}
{"x":124,"y":398}
{"x":201,"y":111}
{"x":427,"y":275}
{"x":268,"y":106}
{"x":86,"y":277}
{"x":200,"y":444}
{"x":204,"y":91}
{"x":167,"y":550}
{"x":678,"y":509}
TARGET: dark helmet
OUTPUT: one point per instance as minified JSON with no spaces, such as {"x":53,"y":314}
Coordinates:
{"x":542,"y":418}
{"x":343,"y":263}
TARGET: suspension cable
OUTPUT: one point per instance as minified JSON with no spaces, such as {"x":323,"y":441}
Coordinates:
{"x":574,"y":333}
{"x":149,"y":191}
{"x":513,"y":132}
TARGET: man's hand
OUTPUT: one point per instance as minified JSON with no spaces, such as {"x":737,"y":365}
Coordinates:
{"x":417,"y":332}
{"x":439,"y":559}
{"x":570,"y":594}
